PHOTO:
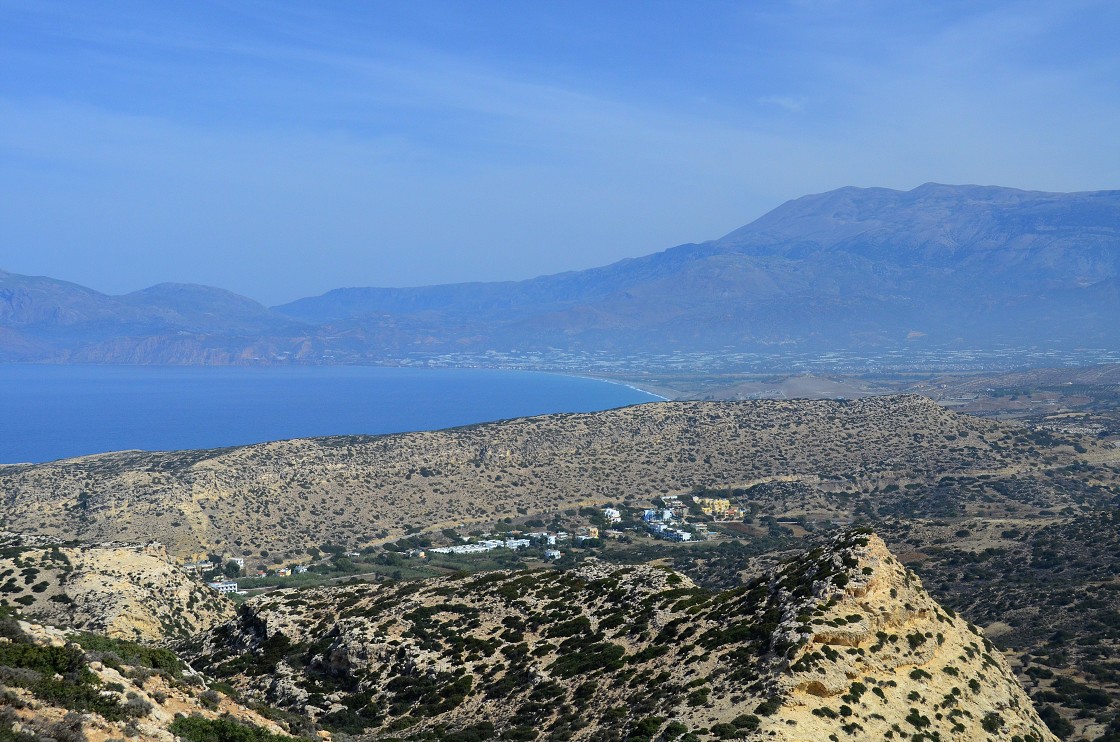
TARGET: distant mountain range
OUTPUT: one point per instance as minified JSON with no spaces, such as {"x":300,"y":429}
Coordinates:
{"x":856,"y":269}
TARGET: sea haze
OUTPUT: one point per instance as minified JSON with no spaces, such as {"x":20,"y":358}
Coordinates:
{"x":52,"y":412}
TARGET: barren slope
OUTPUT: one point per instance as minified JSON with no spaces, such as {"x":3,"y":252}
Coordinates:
{"x":279,"y":498}
{"x":122,"y":591}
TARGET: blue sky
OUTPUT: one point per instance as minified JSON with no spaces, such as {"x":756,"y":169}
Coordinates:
{"x":280,"y":149}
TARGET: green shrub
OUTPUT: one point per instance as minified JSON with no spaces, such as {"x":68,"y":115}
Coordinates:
{"x":131,"y":653}
{"x":725,"y":731}
{"x":197,"y":729}
{"x":597,"y":656}
{"x":991,"y":722}
{"x":674,"y":729}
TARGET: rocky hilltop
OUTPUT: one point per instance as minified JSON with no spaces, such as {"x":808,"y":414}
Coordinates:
{"x":842,"y":642}
{"x":277,"y":499}
{"x":123,"y":591}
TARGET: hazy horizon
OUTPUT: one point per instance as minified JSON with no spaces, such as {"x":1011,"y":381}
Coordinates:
{"x":279,"y":151}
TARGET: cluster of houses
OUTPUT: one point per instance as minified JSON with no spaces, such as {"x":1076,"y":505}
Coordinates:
{"x":534,"y":539}
{"x":666,"y":522}
{"x":481,"y":546}
{"x":202,"y":567}
{"x":295,"y":569}
{"x":231,"y":586}
{"x":209,"y":566}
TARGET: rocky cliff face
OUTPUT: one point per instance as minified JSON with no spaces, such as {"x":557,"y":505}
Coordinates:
{"x":840,"y":643}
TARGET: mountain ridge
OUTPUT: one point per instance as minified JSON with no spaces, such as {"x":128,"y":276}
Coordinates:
{"x":855,"y":269}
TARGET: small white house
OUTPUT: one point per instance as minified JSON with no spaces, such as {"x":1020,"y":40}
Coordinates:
{"x":552,"y":554}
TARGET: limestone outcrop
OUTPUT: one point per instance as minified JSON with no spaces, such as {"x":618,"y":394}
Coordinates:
{"x":840,"y":643}
{"x":126,"y":591}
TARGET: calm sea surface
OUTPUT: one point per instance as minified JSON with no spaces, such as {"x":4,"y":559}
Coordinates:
{"x":52,"y":412}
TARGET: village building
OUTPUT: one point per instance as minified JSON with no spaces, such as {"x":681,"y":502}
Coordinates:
{"x":223,"y":586}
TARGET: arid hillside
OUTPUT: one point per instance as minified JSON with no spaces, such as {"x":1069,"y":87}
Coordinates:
{"x":67,"y":685}
{"x":122,"y":591}
{"x":842,"y":642}
{"x":277,"y":499}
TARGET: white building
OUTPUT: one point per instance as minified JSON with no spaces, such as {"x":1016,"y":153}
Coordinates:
{"x":225,"y":586}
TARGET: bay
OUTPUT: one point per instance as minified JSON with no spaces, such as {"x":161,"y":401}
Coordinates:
{"x":53,"y":412}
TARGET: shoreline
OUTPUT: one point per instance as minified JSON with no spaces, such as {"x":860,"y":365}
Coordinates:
{"x":627,"y":384}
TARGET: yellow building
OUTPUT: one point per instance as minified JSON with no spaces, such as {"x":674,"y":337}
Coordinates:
{"x":713,"y":505}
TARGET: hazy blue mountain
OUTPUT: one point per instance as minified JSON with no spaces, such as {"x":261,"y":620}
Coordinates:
{"x":43,"y":319}
{"x":203,"y":309}
{"x":849,"y":268}
{"x":855,"y":268}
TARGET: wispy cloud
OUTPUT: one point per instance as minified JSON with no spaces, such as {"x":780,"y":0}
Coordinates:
{"x":791,"y":103}
{"x":334,"y":146}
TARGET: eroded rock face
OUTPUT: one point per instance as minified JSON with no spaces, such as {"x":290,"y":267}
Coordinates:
{"x":842,"y":641}
{"x":872,"y":651}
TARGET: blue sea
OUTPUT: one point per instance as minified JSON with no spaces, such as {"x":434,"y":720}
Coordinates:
{"x":53,"y":412}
